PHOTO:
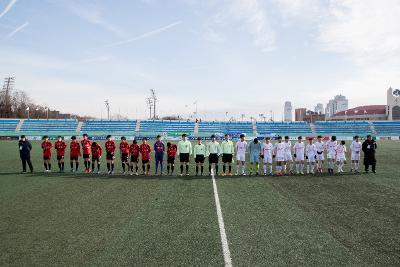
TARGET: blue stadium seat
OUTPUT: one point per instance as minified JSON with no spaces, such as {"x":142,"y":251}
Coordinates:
{"x":226,"y":127}
{"x":150,"y":126}
{"x":284,"y":128}
{"x":49,"y":126}
{"x":8,"y":125}
{"x":391,"y":128}
{"x":103,"y":126}
{"x":343,"y":128}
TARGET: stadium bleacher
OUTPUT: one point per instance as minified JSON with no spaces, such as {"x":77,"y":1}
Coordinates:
{"x":293,"y":128}
{"x":342,"y":128}
{"x":8,"y":125}
{"x":225,"y":127}
{"x":150,"y":127}
{"x":391,"y":128}
{"x":49,"y":126}
{"x":104,"y":126}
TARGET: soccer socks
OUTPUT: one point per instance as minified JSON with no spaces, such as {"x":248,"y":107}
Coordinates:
{"x":172,"y":169}
{"x":181,"y":169}
{"x":230,"y":168}
{"x":85,"y":163}
{"x":161,"y":167}
{"x":201,"y":169}
{"x":197,"y":169}
{"x":148,"y":168}
{"x":187,"y":169}
{"x":59,"y":165}
{"x":123,"y":167}
{"x":168,"y":168}
{"x":223,"y":168}
{"x":265,"y":168}
{"x":76,"y":165}
{"x":237,"y":169}
{"x":209,"y":168}
{"x":108,"y":166}
{"x":93,"y":165}
{"x":216,"y":169}
{"x":144,"y":168}
{"x":156,"y":166}
{"x":71,"y":164}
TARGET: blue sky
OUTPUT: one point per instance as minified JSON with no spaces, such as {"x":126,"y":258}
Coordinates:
{"x":235,"y":56}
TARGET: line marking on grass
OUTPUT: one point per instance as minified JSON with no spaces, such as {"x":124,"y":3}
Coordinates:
{"x":224,"y":240}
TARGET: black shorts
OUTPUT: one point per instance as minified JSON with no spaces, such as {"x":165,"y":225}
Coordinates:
{"x":46,"y":158}
{"x":60,"y":157}
{"x":145,"y":161}
{"x":135,"y":159}
{"x":94,"y":158}
{"x":227,"y":158}
{"x":171,"y":160}
{"x":184,"y":157}
{"x":73,"y":158}
{"x":86,"y":156}
{"x":213,"y":158}
{"x":110,"y":156}
{"x":124,"y":157}
{"x":199,"y":159}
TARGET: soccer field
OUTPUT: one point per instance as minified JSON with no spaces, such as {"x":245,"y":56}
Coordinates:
{"x":83,"y":219}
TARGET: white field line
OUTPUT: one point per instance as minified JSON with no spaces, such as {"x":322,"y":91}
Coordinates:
{"x":224,"y":240}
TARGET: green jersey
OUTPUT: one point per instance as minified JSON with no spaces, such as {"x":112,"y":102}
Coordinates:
{"x":227,"y":147}
{"x":199,"y":150}
{"x":184,"y":147}
{"x":213,"y":148}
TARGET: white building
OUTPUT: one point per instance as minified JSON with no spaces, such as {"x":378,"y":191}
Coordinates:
{"x":339,"y":103}
{"x":319,"y":108}
{"x":288,"y":110}
{"x":393,"y":104}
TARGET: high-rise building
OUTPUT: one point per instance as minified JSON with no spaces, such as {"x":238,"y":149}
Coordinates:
{"x":288,"y":111}
{"x":300,"y":113}
{"x":335,"y":105}
{"x":319,"y":109}
{"x":393,"y":104}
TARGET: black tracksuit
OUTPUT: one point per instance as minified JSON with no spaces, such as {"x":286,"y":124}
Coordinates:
{"x":25,"y":148}
{"x":369,"y":147}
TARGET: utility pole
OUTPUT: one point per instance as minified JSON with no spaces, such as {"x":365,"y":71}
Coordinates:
{"x":7,"y":87}
{"x":154,"y":100}
{"x":108,"y":108}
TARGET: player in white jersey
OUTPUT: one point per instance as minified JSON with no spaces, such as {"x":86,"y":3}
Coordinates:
{"x":311,"y":156}
{"x":341,"y":155}
{"x":241,"y":147}
{"x":355,"y":148}
{"x":320,"y":146}
{"x":331,"y":153}
{"x":298,"y":149}
{"x":266,"y":154}
{"x":288,"y":155}
{"x":279,"y":154}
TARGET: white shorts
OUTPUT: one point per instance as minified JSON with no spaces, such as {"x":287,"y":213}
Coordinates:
{"x":288,"y":156}
{"x":355,"y":156}
{"x":331,"y":155}
{"x":299,"y":157}
{"x":320,"y":156}
{"x":280,"y":158}
{"x":341,"y":158}
{"x":311,"y":158}
{"x":267,"y":160}
{"x":240,"y":157}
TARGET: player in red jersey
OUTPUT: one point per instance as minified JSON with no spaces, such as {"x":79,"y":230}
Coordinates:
{"x":124,"y":149}
{"x":171,"y":153}
{"x":46,"y":147}
{"x":60,"y":147}
{"x":110,"y":150}
{"x":134,"y":151}
{"x":75,"y":152}
{"x":86,"y":147}
{"x":145,"y":150}
{"x":96,"y":156}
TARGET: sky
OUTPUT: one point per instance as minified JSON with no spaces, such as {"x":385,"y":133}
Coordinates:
{"x":232,"y":57}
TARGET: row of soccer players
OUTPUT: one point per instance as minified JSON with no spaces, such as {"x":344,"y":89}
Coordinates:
{"x":313,"y":153}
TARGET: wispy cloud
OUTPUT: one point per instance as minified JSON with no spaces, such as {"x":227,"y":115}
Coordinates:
{"x":145,"y":35}
{"x":8,"y":8}
{"x":19,"y":28}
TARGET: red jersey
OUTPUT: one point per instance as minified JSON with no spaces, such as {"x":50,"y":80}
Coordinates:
{"x":124,"y":147}
{"x":60,"y":146}
{"x":47,"y":146}
{"x":110,"y":147}
{"x":75,"y":149}
{"x":145,"y":150}
{"x":86,"y":146}
{"x":134,"y":150}
{"x":171,"y":151}
{"x":96,"y":151}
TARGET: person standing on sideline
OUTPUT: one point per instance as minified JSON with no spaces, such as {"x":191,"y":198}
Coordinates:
{"x":25,"y":148}
{"x":159,"y":149}
{"x":228,"y":149}
{"x":184,"y":152}
{"x":368,"y":147}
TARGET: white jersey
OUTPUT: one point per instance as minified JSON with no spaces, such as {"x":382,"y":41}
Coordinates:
{"x":355,"y":148}
{"x":311,"y":152}
{"x":266,"y":151}
{"x":320,"y":146}
{"x":241,"y":147}
{"x":331,"y":149}
{"x":279,"y":151}
{"x":299,"y":148}
{"x":341,"y":152}
{"x":288,"y":151}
